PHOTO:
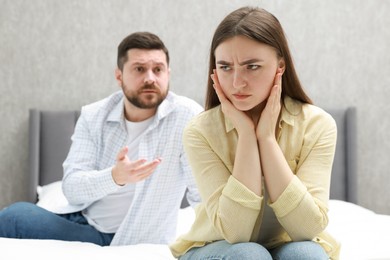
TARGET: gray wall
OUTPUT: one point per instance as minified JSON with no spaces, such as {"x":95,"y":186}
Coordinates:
{"x":61,"y":55}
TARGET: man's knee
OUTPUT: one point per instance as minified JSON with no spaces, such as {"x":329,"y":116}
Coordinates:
{"x":18,"y":209}
{"x":15,"y":216}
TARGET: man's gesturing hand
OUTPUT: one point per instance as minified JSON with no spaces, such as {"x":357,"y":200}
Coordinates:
{"x":126,"y":171}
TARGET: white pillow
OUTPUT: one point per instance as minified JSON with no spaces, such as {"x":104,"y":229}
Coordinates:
{"x":52,"y":198}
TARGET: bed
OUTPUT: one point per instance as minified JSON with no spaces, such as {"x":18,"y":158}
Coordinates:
{"x":362,"y":233}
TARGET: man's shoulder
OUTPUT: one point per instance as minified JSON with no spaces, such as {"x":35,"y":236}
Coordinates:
{"x":183,"y":103}
{"x":105,"y":105}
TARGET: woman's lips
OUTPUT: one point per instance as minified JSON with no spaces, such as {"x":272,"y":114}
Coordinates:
{"x":240,"y":96}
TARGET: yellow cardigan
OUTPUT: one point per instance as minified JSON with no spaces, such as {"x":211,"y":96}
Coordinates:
{"x":230,"y":211}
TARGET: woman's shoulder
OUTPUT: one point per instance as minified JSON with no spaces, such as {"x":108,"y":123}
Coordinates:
{"x":208,"y":123}
{"x":306,"y":112}
{"x":207,"y":117}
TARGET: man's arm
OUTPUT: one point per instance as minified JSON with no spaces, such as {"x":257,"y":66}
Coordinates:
{"x":82,"y":182}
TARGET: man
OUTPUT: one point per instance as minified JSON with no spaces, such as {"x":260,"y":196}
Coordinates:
{"x":126,"y":172}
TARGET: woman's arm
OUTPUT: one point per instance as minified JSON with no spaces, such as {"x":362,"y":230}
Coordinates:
{"x":277,"y":173}
{"x":299,"y":202}
{"x":230,"y":207}
{"x":247,"y":169}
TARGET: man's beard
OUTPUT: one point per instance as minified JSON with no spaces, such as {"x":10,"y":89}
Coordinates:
{"x":148,"y":101}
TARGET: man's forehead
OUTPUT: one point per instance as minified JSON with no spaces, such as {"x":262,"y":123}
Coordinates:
{"x":143,"y":56}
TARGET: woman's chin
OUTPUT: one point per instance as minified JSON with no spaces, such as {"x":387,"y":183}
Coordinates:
{"x":243,"y":107}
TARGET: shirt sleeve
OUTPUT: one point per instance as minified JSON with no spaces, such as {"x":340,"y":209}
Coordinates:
{"x":231,"y":207}
{"x":192,"y":193}
{"x":302,"y":208}
{"x":82,"y":183}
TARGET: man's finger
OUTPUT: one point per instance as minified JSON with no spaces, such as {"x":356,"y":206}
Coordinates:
{"x":122,"y":153}
{"x":148,"y":167}
{"x":138,"y":163}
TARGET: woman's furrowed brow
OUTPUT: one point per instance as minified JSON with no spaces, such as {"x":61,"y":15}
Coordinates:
{"x":250,"y":61}
{"x":222,"y":62}
{"x":246,"y":62}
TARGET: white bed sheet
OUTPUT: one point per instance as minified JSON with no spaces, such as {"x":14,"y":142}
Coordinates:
{"x":363,"y":234}
{"x":34,"y":249}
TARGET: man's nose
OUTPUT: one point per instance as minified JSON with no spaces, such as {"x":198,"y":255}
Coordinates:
{"x":150,"y":78}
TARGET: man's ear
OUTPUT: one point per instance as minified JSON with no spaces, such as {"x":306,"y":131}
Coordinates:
{"x":282,"y":65}
{"x":118,"y":76}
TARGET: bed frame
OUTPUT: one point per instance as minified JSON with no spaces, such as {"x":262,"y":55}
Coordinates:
{"x":49,"y":142}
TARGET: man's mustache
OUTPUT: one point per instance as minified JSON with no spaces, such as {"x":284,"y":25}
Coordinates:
{"x":149,"y":87}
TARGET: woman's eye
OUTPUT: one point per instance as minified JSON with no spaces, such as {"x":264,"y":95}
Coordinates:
{"x":253,"y":66}
{"x":224,"y":67}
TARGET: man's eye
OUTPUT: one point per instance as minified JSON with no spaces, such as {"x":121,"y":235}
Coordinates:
{"x":253,"y":66}
{"x":158,"y":69}
{"x":139,"y":69}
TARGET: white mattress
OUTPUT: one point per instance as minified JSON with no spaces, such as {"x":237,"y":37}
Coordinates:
{"x":363,"y":234}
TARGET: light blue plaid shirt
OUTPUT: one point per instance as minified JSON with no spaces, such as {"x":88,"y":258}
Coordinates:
{"x":100,"y":133}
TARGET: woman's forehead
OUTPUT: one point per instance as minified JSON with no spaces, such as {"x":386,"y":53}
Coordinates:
{"x":241,"y":48}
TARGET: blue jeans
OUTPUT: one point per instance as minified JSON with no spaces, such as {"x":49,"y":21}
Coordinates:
{"x":222,"y":250}
{"x":27,"y":220}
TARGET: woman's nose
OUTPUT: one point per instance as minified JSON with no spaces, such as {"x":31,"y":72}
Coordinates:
{"x":239,"y":80}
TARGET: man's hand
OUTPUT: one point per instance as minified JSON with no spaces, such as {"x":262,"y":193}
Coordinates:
{"x":126,"y":171}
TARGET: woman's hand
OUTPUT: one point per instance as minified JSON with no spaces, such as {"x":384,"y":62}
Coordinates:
{"x":239,"y":119}
{"x":269,"y":117}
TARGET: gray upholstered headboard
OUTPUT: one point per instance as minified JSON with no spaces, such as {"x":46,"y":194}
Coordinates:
{"x":49,"y":142}
{"x":344,"y":172}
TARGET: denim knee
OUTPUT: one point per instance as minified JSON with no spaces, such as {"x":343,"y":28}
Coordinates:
{"x":247,"y":250}
{"x":305,"y":250}
{"x":13,"y":217}
{"x":222,"y":250}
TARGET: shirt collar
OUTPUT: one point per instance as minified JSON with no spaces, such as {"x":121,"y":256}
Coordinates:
{"x":228,"y":124}
{"x":290,"y":110}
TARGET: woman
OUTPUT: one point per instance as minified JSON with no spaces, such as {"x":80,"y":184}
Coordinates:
{"x":261,"y":153}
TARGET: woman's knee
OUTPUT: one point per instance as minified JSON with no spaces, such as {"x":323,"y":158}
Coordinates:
{"x":305,"y":250}
{"x":248,"y":250}
{"x":222,"y":250}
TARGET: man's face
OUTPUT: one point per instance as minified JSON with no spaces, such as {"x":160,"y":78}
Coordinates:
{"x":144,"y":78}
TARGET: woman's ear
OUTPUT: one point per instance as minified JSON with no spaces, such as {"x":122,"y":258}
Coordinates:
{"x":282,"y":65}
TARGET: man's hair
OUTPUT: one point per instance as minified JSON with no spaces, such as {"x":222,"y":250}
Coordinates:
{"x":139,"y":40}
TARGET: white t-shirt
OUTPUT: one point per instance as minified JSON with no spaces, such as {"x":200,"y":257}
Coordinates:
{"x":107,"y":214}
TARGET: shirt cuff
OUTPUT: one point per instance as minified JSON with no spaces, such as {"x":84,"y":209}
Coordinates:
{"x":106,"y":182}
{"x":239,"y":193}
{"x":290,"y":198}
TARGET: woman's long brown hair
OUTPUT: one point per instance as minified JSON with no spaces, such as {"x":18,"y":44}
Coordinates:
{"x":261,"y":26}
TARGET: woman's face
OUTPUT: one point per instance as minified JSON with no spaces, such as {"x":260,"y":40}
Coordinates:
{"x":246,"y":70}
